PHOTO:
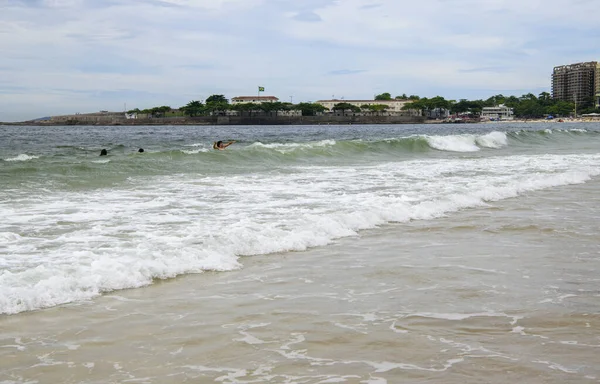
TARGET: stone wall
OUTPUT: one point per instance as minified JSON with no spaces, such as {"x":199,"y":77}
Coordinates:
{"x":277,"y":120}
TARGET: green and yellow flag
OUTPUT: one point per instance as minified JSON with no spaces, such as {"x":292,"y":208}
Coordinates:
{"x":261,"y":89}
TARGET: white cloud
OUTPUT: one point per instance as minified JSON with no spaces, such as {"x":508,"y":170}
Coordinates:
{"x":64,"y":55}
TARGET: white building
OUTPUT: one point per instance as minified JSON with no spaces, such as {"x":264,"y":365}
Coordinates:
{"x":500,"y":112}
{"x":254,"y":99}
{"x":394,"y":106}
{"x":260,"y":100}
{"x":292,"y":112}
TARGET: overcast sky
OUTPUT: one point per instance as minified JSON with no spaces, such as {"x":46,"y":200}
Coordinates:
{"x":67,"y":56}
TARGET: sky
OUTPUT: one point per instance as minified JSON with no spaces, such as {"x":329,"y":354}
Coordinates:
{"x":79,"y":56}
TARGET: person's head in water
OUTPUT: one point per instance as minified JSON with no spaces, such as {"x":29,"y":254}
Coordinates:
{"x":103,"y":152}
{"x":141,"y":150}
{"x":220,"y":146}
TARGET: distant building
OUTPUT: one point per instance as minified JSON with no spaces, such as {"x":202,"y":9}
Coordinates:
{"x":591,"y":116}
{"x":259,"y":100}
{"x":254,"y":99}
{"x":577,"y":83}
{"x":438,"y":113}
{"x":260,"y":113}
{"x":500,"y":112}
{"x":394,"y":106}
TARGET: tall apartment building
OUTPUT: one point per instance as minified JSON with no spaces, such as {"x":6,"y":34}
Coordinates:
{"x":578,"y":83}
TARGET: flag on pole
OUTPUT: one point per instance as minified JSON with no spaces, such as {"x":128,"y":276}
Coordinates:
{"x":261,"y":89}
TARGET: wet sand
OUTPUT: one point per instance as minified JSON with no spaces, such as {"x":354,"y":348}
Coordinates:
{"x":505,"y":293}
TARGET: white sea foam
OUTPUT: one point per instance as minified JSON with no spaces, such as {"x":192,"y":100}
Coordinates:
{"x":22,"y":157}
{"x":467,"y":143}
{"x":290,"y":147}
{"x":69,"y":246}
{"x":463,"y":143}
{"x":461,"y":316}
{"x":558,"y":367}
{"x":195,"y":151}
{"x":492,"y":140}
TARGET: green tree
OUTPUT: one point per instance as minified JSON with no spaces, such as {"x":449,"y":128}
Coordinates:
{"x":588,"y":110}
{"x":529,"y":108}
{"x":528,"y":96}
{"x":217,"y":99}
{"x":375,"y":108}
{"x":384,"y":96}
{"x":217,"y":104}
{"x":564,"y":108}
{"x":193,"y":108}
{"x":159,"y":111}
{"x":587,"y":104}
{"x":269,"y":108}
{"x":217,"y":107}
{"x":438,"y":102}
{"x":470,"y":107}
{"x":310,"y":109}
{"x":402,"y":97}
{"x":416,"y":105}
{"x":545,"y":99}
{"x":343,"y":107}
{"x":461,"y":106}
{"x":245,"y":108}
{"x":495,"y":100}
{"x":511,"y":101}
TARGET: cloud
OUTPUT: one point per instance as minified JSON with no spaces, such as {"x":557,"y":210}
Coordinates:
{"x":370,"y":6}
{"x":346,"y":71}
{"x":307,"y":16}
{"x":60,"y":56}
{"x":486,"y":69}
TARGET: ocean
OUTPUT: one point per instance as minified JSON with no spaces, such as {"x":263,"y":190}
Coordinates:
{"x":438,"y":253}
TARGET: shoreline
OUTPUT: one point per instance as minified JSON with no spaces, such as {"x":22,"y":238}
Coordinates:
{"x":569,"y":120}
{"x":349,"y":121}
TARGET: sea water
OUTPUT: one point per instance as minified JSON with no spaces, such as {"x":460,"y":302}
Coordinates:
{"x":303,"y":254}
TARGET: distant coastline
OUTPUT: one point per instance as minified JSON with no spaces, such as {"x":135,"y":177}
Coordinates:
{"x":227,"y":120}
{"x":116,"y":119}
{"x":287,"y":120}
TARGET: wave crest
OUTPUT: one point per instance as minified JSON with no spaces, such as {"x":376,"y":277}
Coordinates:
{"x":22,"y":157}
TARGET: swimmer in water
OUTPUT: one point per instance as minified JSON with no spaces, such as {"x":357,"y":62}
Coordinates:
{"x":221,"y":146}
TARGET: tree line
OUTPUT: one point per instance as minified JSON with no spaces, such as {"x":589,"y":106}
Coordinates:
{"x":525,"y":106}
{"x":219,"y":104}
